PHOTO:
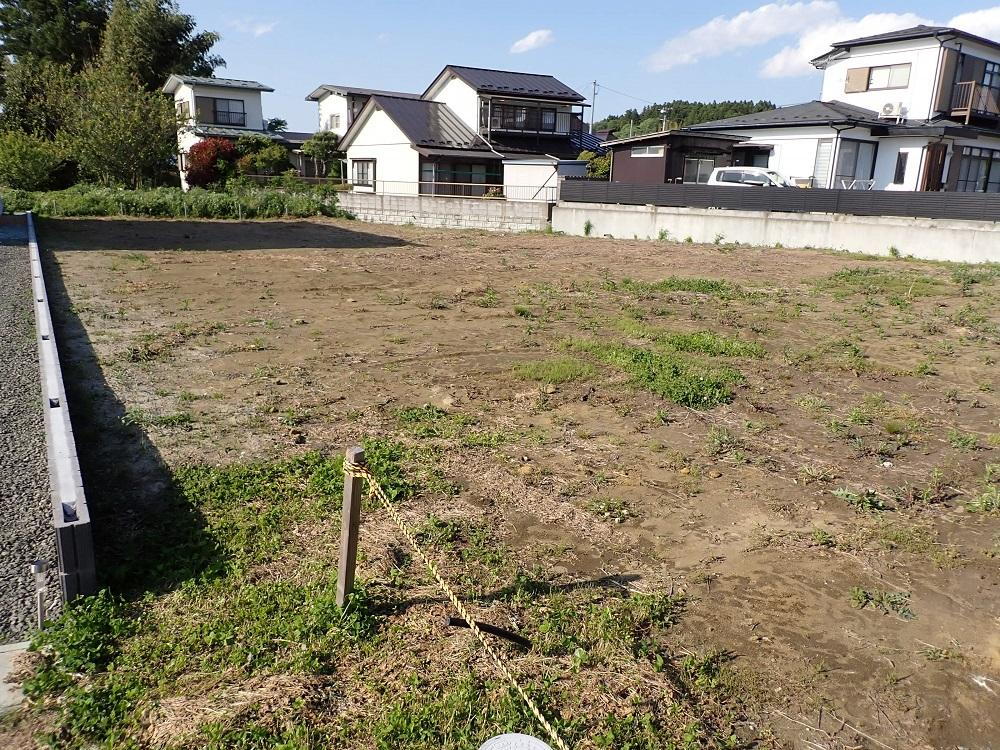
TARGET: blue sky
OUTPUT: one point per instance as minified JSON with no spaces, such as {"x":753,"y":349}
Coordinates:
{"x":647,"y":49}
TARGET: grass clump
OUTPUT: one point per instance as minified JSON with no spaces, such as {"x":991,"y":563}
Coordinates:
{"x":863,"y":502}
{"x":708,"y":343}
{"x":899,"y":286}
{"x":887,"y":602}
{"x":556,"y":370}
{"x":715,"y":287}
{"x":666,"y":374}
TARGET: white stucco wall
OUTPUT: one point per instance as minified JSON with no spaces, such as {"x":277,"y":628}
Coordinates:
{"x":333,"y":104}
{"x":396,"y":160}
{"x":917,"y":97}
{"x":461,"y":97}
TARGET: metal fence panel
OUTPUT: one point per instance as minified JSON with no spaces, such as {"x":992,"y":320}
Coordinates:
{"x":973,"y":206}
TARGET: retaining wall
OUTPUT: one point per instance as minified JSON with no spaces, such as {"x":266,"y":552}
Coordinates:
{"x":930,"y":239}
{"x":70,"y":514}
{"x":442,"y":211}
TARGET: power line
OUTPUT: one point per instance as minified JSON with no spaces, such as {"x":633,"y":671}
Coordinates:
{"x":622,"y":93}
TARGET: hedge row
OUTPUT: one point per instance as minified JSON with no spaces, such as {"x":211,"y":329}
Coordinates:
{"x":86,"y":200}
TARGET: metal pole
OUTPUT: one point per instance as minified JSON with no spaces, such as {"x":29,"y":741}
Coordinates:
{"x":593,"y":106}
{"x":38,"y":568}
{"x":349,"y":523}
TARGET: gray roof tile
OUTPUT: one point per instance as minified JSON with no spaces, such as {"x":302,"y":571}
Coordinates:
{"x":810,"y":113}
{"x":515,"y":84}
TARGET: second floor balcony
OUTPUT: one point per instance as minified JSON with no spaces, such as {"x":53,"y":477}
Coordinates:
{"x":970,"y":100}
{"x":528,"y":119}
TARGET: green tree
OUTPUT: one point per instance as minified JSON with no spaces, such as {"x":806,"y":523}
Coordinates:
{"x":151,"y":39}
{"x":680,"y":112}
{"x":65,"y":32}
{"x":597,"y":166}
{"x":27,"y":162}
{"x":276,"y":125}
{"x":119,"y":133}
{"x":324,"y":148}
{"x":36,"y":95}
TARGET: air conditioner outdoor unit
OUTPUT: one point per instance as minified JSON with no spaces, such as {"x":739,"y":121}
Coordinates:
{"x":891,"y":111}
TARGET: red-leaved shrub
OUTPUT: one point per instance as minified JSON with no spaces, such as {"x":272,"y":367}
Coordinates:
{"x":211,"y":160}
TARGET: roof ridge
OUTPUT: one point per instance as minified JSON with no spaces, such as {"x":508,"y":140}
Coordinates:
{"x":498,"y":70}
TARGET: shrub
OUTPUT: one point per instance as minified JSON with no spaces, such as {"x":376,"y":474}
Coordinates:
{"x":210,"y":161}
{"x":26,"y":161}
{"x":247,"y":203}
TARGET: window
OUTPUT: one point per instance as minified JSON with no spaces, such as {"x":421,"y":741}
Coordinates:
{"x":979,"y":171}
{"x":548,"y":119}
{"x":854,"y":162}
{"x":731,"y":176}
{"x":184,"y":110}
{"x":889,"y":77}
{"x":332,"y":122}
{"x":900,"y":176}
{"x":221,"y":111}
{"x":364,"y":172}
{"x":647,"y":151}
{"x":821,"y":166}
{"x":698,"y":170}
{"x":991,"y":75}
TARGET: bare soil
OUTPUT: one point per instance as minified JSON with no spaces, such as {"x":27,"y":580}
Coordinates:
{"x":279,"y":337}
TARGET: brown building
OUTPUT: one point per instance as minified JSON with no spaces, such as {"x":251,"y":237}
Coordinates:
{"x":669,"y":156}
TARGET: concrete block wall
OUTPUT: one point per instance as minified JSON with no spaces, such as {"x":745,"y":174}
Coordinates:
{"x":929,"y":239}
{"x":440,"y":211}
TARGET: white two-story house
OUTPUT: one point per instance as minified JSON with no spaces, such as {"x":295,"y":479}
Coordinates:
{"x":215,"y":108}
{"x":914,"y":109}
{"x":473,"y":131}
{"x":339,"y":106}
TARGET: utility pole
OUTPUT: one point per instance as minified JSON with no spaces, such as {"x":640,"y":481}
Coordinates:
{"x":593,"y":106}
{"x":663,"y":118}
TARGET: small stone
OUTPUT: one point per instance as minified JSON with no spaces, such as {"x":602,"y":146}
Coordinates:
{"x":549,"y":388}
{"x":525,"y":469}
{"x":685,"y":470}
{"x":351,"y":299}
{"x":281,"y":381}
{"x":715,"y":474}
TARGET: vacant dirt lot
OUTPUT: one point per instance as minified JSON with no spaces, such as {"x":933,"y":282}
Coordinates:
{"x":801,"y":444}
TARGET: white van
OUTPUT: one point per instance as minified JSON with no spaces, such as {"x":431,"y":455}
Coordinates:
{"x":747,"y":177}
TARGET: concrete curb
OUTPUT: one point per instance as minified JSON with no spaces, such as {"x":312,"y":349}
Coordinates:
{"x":70,"y":514}
{"x":10,"y":696}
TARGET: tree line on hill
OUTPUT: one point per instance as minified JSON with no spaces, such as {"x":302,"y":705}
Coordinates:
{"x":679,"y":113}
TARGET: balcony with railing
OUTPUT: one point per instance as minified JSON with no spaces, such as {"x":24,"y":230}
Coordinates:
{"x":234,"y":119}
{"x":970,"y":100}
{"x":527,"y":119}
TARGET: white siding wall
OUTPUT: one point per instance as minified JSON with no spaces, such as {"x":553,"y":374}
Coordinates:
{"x":917,"y":97}
{"x":396,"y":160}
{"x":885,"y":162}
{"x":462,"y":98}
{"x":333,"y":104}
{"x":251,"y":101}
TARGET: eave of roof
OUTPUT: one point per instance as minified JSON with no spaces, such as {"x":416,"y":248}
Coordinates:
{"x":174,"y":81}
{"x":667,"y":134}
{"x":561,"y":92}
{"x":224,"y":132}
{"x":797,"y":115}
{"x":903,"y":35}
{"x":331,"y":88}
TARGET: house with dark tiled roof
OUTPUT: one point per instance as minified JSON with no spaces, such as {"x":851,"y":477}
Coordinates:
{"x":911,"y":109}
{"x":220,"y":108}
{"x":471,"y":131}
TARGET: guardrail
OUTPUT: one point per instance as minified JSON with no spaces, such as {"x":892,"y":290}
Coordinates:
{"x":70,"y":514}
{"x":943,"y":205}
{"x":485,"y":191}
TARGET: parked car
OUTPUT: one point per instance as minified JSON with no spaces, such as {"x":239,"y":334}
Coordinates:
{"x":747,"y":177}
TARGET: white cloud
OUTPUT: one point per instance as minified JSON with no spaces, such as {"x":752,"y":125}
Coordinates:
{"x":751,"y":28}
{"x":250,"y":26}
{"x":812,"y":27}
{"x":534,"y":40}
{"x":793,"y":60}
{"x":984,"y":22}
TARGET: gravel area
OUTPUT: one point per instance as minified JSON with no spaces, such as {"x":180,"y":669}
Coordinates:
{"x":26,"y":528}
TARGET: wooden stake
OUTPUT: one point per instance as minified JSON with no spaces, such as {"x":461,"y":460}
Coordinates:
{"x":350,"y":521}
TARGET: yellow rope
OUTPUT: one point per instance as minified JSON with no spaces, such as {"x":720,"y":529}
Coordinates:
{"x":374,"y":489}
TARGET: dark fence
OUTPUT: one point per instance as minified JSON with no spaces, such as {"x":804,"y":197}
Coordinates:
{"x":978,"y":206}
